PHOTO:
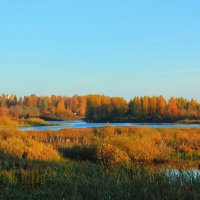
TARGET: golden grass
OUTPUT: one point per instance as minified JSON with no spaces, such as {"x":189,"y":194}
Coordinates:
{"x":108,"y":154}
{"x":34,"y":122}
{"x":7,"y":122}
{"x":18,"y":145}
{"x":112,"y":144}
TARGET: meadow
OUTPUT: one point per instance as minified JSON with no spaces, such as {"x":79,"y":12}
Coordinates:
{"x":100,"y":163}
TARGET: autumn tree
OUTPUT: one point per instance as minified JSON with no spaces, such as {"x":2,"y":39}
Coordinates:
{"x":119,"y":108}
{"x":61,"y":106}
{"x":100,"y":108}
{"x":172,"y":108}
{"x":135,"y":108}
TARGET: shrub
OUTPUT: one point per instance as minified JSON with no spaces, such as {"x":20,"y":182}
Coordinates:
{"x":19,"y":146}
{"x":144,"y":149}
{"x":7,"y":122}
{"x":108,"y":154}
{"x":105,"y":132}
{"x":13,"y":147}
{"x":40,"y":151}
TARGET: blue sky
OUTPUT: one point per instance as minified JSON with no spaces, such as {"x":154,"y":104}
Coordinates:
{"x":113,"y":47}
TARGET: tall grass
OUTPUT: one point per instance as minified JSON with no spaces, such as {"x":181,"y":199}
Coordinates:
{"x":137,"y":145}
{"x":80,"y":180}
{"x":16,"y":144}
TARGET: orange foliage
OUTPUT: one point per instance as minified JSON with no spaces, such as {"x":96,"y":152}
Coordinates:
{"x":7,"y":122}
{"x":3,"y":111}
{"x":16,"y":144}
{"x":100,"y":108}
{"x":108,"y":154}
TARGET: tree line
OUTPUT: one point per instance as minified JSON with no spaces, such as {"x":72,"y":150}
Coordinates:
{"x":100,"y":108}
{"x":141,"y":109}
{"x":47,"y":107}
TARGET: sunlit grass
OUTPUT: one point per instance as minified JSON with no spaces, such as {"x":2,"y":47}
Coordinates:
{"x":103,"y":163}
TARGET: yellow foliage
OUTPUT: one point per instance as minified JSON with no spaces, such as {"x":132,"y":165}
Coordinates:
{"x":7,"y":122}
{"x":143,"y":148}
{"x":34,"y":122}
{"x":18,"y":145}
{"x":108,"y":154}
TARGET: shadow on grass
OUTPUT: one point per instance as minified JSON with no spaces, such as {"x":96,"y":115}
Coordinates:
{"x":79,"y":153}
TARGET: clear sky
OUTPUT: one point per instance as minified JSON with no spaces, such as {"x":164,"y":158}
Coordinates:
{"x":113,"y":47}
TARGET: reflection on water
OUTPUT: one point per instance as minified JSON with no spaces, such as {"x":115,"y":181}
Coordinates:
{"x":173,"y":169}
{"x":83,"y":124}
{"x":189,"y":173}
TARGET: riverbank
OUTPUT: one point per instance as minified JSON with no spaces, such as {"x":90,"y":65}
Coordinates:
{"x":156,"y":121}
{"x":31,"y":122}
{"x":41,"y":124}
{"x":6,"y":122}
{"x":188,"y":121}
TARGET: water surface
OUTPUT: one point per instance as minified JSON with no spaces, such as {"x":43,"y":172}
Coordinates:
{"x":83,"y":124}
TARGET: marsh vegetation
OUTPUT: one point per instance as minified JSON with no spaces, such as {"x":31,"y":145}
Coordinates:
{"x":101,"y":163}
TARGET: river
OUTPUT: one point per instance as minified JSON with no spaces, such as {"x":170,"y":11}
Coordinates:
{"x":83,"y":124}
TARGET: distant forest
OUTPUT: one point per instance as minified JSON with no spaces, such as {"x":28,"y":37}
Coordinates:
{"x":100,"y":108}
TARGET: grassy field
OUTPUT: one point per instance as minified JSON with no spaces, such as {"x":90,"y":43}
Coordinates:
{"x":124,"y":144}
{"x":84,"y":180}
{"x":102,"y":163}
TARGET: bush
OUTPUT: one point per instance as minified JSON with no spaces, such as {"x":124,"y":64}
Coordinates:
{"x":19,"y":146}
{"x":108,"y":154}
{"x":40,"y":151}
{"x":105,"y":132}
{"x":7,"y":122}
{"x":141,"y":149}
